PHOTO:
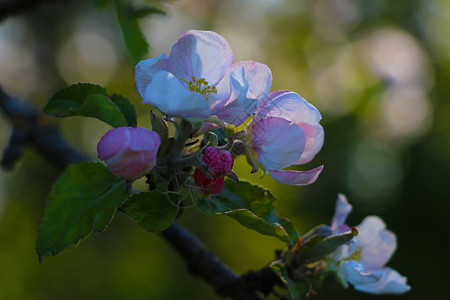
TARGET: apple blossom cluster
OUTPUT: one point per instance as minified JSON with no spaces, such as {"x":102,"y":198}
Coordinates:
{"x":220,"y":110}
{"x":199,"y":81}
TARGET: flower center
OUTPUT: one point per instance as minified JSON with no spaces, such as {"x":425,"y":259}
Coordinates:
{"x":355,"y":255}
{"x":200,"y":86}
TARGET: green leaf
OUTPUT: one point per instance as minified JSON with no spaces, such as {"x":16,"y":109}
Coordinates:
{"x":126,"y":108}
{"x":82,"y":201}
{"x":154,"y":211}
{"x":252,"y":206}
{"x":134,"y":39}
{"x":90,"y":100}
{"x":318,"y":246}
{"x":297,"y":289}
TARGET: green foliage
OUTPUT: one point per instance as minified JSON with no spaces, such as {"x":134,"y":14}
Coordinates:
{"x":90,"y":100}
{"x":82,"y":201}
{"x":317,"y":247}
{"x":298,"y":289}
{"x":252,"y":206}
{"x":154,"y":211}
{"x":134,"y":39}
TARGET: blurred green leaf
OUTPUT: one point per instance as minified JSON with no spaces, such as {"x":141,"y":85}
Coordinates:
{"x":252,"y":206}
{"x":147,"y":10}
{"x":134,"y":39}
{"x":90,"y":100}
{"x":297,"y":289}
{"x":154,"y":211}
{"x":82,"y":201}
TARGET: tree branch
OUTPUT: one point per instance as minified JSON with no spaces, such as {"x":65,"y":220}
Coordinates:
{"x":30,"y":127}
{"x":205,"y":264}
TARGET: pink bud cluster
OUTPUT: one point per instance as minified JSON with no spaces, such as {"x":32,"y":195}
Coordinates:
{"x":218,"y":163}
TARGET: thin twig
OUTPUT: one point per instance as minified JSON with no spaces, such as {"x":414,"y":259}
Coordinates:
{"x":203,"y":263}
{"x":30,"y":127}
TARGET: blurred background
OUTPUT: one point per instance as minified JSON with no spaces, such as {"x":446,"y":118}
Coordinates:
{"x":378,"y":71}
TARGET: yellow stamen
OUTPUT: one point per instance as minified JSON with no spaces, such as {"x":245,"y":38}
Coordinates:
{"x":200,"y":86}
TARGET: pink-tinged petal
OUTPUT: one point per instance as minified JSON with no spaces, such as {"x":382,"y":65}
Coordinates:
{"x":391,"y":282}
{"x":146,"y":69}
{"x":173,"y":97}
{"x":341,"y":211}
{"x":238,"y":107}
{"x":259,"y":78}
{"x":112,"y":142}
{"x":298,"y":178}
{"x":129,"y":152}
{"x":313,"y":144}
{"x":272,"y":95}
{"x":278,"y":142}
{"x":355,"y":273}
{"x":291,"y":106}
{"x":377,"y":243}
{"x":202,"y":54}
{"x":143,"y":139}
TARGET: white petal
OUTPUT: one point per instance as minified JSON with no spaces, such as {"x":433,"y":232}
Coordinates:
{"x":377,"y":243}
{"x":291,"y":106}
{"x":203,"y":54}
{"x":238,"y":107}
{"x":173,"y":97}
{"x":298,"y":178}
{"x":391,"y":282}
{"x":356,"y":274}
{"x":146,"y":69}
{"x":278,"y":142}
{"x":341,"y":211}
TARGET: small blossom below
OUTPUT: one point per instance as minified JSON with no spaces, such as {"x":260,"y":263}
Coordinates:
{"x":362,"y":261}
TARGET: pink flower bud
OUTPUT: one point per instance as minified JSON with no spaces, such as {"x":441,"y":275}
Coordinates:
{"x":218,"y":162}
{"x":209,"y":185}
{"x":129,"y":152}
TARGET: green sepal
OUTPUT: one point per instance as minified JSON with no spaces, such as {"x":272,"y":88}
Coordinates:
{"x":160,"y":126}
{"x":319,"y":230}
{"x":153,"y":211}
{"x":90,"y":100}
{"x":252,"y":206}
{"x":318,"y":247}
{"x":82,"y":201}
{"x":197,"y":123}
{"x":298,"y":289}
